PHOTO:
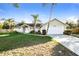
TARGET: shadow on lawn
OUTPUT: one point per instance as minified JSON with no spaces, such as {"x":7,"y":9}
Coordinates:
{"x":21,"y":40}
{"x":60,"y":50}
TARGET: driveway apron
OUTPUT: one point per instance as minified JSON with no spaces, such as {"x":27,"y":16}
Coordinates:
{"x":70,"y":42}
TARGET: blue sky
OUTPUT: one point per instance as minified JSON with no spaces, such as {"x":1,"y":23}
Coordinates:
{"x":61,"y":11}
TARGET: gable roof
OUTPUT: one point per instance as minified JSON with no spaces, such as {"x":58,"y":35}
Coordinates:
{"x":56,"y":20}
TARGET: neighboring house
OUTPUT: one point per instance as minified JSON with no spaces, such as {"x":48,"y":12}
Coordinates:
{"x":28,"y":28}
{"x":38,"y":26}
{"x":55,"y":27}
{"x":20,"y":29}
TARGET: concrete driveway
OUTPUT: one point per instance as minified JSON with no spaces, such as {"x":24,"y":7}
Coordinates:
{"x":70,"y":42}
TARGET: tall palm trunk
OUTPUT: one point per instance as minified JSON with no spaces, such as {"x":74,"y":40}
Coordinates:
{"x":35,"y":21}
{"x":34,"y":25}
{"x":50,"y":15}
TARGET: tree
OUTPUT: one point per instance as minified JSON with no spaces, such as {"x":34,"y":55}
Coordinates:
{"x":77,"y":23}
{"x":35,"y":21}
{"x":50,"y":13}
{"x":70,"y":24}
{"x":1,"y":25}
{"x":9,"y":24}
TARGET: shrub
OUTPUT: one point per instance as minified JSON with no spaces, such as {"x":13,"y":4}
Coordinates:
{"x":32,"y":32}
{"x":67,"y":32}
{"x":44,"y":32}
{"x":5,"y":26}
{"x":75,"y":31}
{"x":15,"y":32}
{"x":39,"y":32}
{"x":1,"y":25}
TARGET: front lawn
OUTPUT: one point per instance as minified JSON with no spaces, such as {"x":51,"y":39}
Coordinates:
{"x":14,"y":40}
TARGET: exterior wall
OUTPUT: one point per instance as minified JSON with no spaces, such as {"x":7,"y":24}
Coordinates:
{"x":20,"y":29}
{"x":44,"y":27}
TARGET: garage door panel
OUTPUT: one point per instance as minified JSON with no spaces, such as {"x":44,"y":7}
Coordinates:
{"x":56,"y":30}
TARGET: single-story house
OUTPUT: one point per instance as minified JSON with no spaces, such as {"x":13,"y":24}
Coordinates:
{"x":28,"y":27}
{"x":55,"y":27}
{"x":20,"y":29}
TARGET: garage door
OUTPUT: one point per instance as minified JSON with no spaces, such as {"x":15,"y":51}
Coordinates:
{"x":56,"y":30}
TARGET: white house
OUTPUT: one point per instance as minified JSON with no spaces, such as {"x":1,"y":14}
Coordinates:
{"x":55,"y":27}
{"x":20,"y":29}
{"x":28,"y":28}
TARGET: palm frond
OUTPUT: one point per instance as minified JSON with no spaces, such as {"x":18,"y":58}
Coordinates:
{"x":16,"y":5}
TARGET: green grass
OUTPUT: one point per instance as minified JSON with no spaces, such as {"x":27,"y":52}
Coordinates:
{"x":16,"y":40}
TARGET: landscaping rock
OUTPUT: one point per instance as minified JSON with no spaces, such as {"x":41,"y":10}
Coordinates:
{"x":51,"y":48}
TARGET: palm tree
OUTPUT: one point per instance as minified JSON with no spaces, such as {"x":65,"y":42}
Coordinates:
{"x":16,"y":5}
{"x":35,"y":21}
{"x":50,"y":13}
{"x":10,"y":22}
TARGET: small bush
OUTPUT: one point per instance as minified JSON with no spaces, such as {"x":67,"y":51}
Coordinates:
{"x":44,"y":32}
{"x":39,"y":32}
{"x":1,"y":25}
{"x":75,"y":31}
{"x":32,"y":32}
{"x":15,"y":32}
{"x":67,"y":32}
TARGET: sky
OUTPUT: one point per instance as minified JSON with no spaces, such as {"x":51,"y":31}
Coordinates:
{"x":61,"y":11}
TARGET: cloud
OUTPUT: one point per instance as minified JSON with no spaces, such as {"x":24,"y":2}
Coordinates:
{"x":73,"y":18}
